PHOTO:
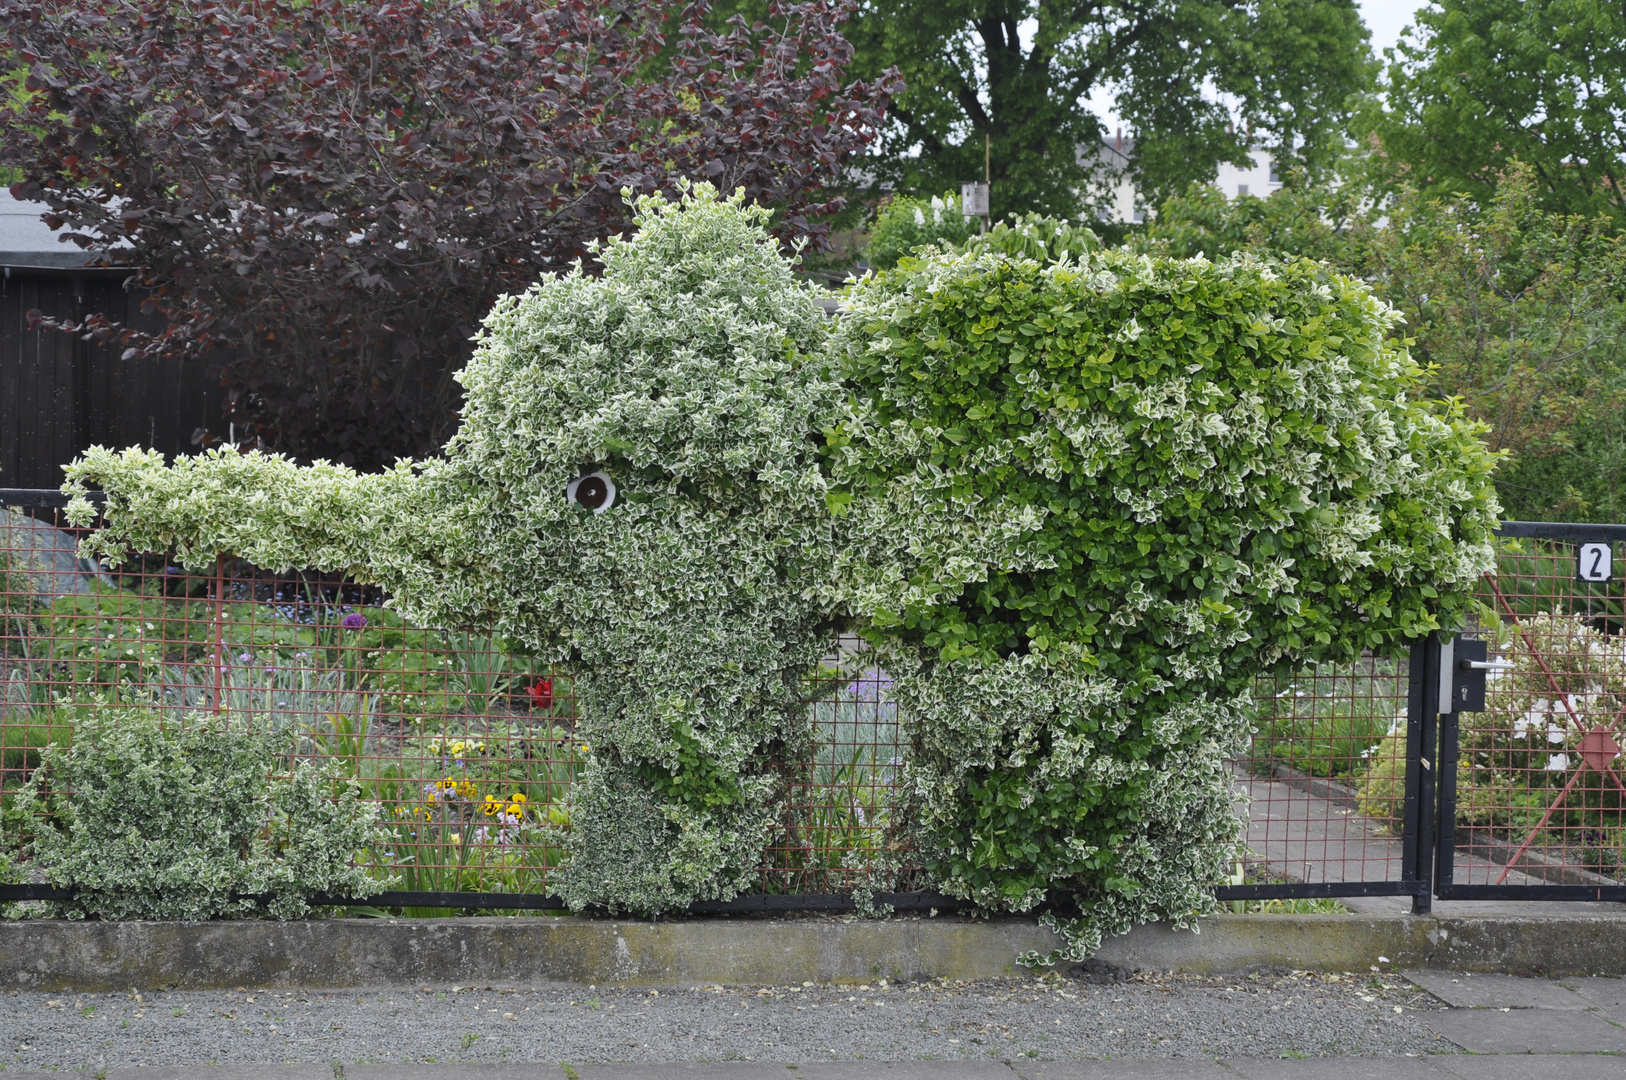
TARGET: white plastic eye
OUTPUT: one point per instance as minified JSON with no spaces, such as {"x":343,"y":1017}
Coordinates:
{"x":596,"y":491}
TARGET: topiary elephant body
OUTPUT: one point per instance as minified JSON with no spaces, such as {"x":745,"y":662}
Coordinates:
{"x":1075,"y":506}
{"x":1089,"y":503}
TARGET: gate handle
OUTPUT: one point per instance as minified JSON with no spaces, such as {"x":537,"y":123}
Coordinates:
{"x":1487,"y":665}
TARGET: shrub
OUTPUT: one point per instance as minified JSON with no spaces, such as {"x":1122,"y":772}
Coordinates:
{"x":1077,"y":505}
{"x":690,"y":374}
{"x":1517,"y":311}
{"x":907,"y":223}
{"x":149,"y":816}
{"x":1085,"y":504}
{"x":1033,"y":237}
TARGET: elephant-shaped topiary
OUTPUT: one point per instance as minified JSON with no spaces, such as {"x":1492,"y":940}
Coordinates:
{"x":1075,"y":504}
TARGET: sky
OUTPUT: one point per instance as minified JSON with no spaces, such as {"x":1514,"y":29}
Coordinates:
{"x":1384,"y":18}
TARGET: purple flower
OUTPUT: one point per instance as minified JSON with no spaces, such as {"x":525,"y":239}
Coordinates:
{"x":354,"y":621}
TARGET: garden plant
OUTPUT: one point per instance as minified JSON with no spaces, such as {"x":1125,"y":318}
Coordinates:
{"x":149,"y":816}
{"x":1073,"y":503}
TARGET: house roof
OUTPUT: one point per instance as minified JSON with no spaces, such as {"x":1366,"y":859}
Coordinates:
{"x":25,"y":240}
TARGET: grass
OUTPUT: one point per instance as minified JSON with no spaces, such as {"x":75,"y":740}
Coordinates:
{"x":1322,"y":906}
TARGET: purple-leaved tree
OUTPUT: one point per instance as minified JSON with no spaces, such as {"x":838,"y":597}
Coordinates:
{"x":330,"y":194}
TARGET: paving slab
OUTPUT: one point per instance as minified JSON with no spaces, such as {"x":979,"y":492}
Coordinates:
{"x":1361,"y":1068}
{"x":1123,"y":1069}
{"x":193,"y":1072}
{"x":478,"y":1071}
{"x":683,"y":1070}
{"x":1531,"y":1066}
{"x":1465,"y":990}
{"x":817,"y":1070}
{"x":1599,"y":991}
{"x":1529,"y":1031}
{"x":899,"y":1070}
{"x":219,"y":1072}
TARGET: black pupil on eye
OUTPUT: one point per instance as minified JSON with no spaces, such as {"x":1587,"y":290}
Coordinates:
{"x":591,"y":492}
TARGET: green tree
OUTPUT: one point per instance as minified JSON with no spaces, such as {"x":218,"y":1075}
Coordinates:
{"x":1477,"y":84}
{"x":1517,"y":310}
{"x":1010,"y":77}
{"x":1332,"y":224}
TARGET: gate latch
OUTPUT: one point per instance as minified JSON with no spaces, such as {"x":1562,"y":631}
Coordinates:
{"x":1464,"y":664}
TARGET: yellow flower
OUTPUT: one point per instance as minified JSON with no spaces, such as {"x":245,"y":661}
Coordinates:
{"x":457,"y":838}
{"x":493,"y":806}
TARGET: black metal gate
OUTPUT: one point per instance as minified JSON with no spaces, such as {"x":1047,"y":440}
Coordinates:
{"x":1532,"y":803}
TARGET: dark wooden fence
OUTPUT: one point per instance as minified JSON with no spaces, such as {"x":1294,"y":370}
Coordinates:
{"x":59,"y":394}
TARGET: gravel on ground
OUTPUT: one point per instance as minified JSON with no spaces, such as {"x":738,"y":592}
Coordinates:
{"x":1297,"y":1014}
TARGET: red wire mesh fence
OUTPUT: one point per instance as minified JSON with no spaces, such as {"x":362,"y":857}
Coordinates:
{"x":1326,"y":775}
{"x":470,"y":752}
{"x":1538,"y":784}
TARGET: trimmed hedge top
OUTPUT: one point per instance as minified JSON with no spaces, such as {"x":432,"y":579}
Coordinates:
{"x":1175,"y":466}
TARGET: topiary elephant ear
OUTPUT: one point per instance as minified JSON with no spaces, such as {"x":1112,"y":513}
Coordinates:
{"x":1086,"y":502}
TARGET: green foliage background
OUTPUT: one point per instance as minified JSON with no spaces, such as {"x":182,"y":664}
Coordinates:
{"x":1517,"y":311}
{"x":1477,"y":85}
{"x":1004,"y":79}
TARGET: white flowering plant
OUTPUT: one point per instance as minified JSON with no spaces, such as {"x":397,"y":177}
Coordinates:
{"x":1565,"y":678}
{"x":1085,"y":502}
{"x":907,"y":223}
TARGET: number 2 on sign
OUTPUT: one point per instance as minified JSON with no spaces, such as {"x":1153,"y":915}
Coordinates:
{"x":1595,"y":562}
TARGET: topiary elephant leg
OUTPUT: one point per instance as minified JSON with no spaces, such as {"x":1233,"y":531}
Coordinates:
{"x":631,"y":849}
{"x":684,"y":790}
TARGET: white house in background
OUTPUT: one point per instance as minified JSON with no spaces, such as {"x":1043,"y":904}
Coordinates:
{"x":1260,"y":178}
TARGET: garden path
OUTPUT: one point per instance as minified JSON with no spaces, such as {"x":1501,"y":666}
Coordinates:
{"x":1313,"y":832}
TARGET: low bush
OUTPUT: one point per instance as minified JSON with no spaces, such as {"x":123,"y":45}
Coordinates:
{"x":907,"y":223}
{"x":149,"y":816}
